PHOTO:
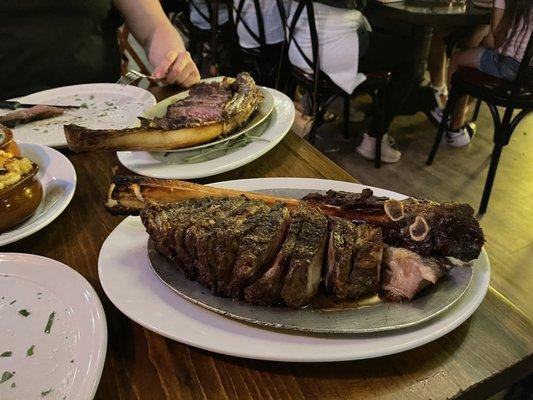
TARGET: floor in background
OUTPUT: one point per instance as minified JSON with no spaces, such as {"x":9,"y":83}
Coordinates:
{"x":458,"y":174}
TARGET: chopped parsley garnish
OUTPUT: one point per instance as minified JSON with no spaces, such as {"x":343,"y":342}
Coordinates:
{"x":46,"y":392}
{"x":24,"y":312}
{"x":13,"y":385}
{"x":29,"y":352}
{"x":84,"y":105}
{"x":6,"y":354}
{"x":109,"y":103}
{"x":50,"y":322}
{"x":6,"y":376}
{"x":12,"y":302}
{"x":91,"y":97}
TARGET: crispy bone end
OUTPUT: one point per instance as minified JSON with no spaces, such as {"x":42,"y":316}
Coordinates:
{"x":128,"y":194}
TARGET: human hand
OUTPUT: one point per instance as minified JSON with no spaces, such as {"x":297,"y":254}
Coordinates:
{"x":172,"y":63}
{"x":177,"y":67}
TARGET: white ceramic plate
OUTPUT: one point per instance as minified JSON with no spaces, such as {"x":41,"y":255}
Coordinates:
{"x":69,"y":359}
{"x":262,"y":112}
{"x":271,"y":132}
{"x":130,"y":283}
{"x":105,"y":106}
{"x":58,"y":177}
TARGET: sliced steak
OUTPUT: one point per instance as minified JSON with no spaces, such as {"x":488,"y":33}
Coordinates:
{"x":267,"y":289}
{"x":257,"y":249}
{"x":226,"y":238}
{"x":211,"y":103}
{"x":199,"y":235}
{"x":304,"y":273}
{"x":405,"y":273}
{"x":354,"y":259}
{"x":27,"y":115}
{"x":166,"y":226}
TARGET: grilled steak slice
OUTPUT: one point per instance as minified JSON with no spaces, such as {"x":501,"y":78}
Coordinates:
{"x":354,"y":259}
{"x":27,"y":115}
{"x":304,"y":273}
{"x":406,"y":273}
{"x":199,"y":237}
{"x":428,"y":228}
{"x":167,"y":226}
{"x":227,"y":236}
{"x":257,"y":249}
{"x":211,"y":102}
{"x":267,"y":289}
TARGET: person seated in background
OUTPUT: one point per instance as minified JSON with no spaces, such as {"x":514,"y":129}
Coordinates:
{"x":224,"y":58}
{"x":245,"y":17}
{"x":499,"y":55}
{"x":47,"y":44}
{"x":463,"y":38}
{"x":349,"y":47}
{"x":200,"y":12}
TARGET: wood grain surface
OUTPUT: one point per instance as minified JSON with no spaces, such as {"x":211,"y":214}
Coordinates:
{"x":489,"y":351}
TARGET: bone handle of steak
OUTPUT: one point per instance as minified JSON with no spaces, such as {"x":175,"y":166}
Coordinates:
{"x":128,"y":194}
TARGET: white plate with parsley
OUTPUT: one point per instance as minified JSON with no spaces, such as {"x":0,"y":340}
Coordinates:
{"x":53,"y":331}
{"x":102,"y":106}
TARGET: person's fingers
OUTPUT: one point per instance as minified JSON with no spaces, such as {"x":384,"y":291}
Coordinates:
{"x":193,"y":77}
{"x":184,"y":71}
{"x":160,"y":71}
{"x":187,"y":75}
{"x":178,"y":67}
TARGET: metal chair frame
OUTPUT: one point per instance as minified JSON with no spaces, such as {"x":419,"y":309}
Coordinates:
{"x":322,"y":91}
{"x":512,"y":96}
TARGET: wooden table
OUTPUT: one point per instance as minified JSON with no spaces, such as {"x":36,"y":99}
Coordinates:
{"x":488,"y":352}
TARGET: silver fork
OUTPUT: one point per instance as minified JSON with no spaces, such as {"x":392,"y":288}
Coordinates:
{"x":132,"y":76}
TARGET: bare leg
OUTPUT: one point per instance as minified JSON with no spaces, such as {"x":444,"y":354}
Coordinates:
{"x":465,"y":58}
{"x":437,"y":61}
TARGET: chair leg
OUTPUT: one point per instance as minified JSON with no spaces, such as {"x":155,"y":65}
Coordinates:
{"x":496,"y":152}
{"x":346,"y":117}
{"x":442,"y":126}
{"x":476,"y":110}
{"x":377,"y":156}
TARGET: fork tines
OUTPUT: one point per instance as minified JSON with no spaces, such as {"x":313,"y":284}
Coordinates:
{"x":130,"y":77}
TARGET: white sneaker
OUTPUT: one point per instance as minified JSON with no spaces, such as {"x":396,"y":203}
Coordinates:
{"x":389,"y":152}
{"x":459,"y":138}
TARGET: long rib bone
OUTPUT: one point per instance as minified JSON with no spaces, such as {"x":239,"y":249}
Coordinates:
{"x":128,"y":194}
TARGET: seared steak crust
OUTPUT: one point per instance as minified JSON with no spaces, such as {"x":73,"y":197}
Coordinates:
{"x":257,"y":249}
{"x":305,"y":270}
{"x":354,"y":259}
{"x":453,"y":231}
{"x":208,"y":103}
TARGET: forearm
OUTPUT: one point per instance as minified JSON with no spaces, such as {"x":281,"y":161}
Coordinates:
{"x":146,"y":20}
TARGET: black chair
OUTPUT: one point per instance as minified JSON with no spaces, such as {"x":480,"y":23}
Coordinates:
{"x":266,"y":61}
{"x":322,"y":91}
{"x":512,"y":96}
{"x":208,"y":45}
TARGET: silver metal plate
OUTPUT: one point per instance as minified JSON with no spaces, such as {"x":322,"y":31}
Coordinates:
{"x":367,"y":315}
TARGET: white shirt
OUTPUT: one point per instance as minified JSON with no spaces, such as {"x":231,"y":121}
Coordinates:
{"x":339,"y":43}
{"x":274,"y":32}
{"x":199,"y":21}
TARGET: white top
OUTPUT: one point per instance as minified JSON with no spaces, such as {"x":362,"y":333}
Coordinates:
{"x":274,"y":32}
{"x":515,"y":46}
{"x":339,"y":43}
{"x":199,"y":21}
